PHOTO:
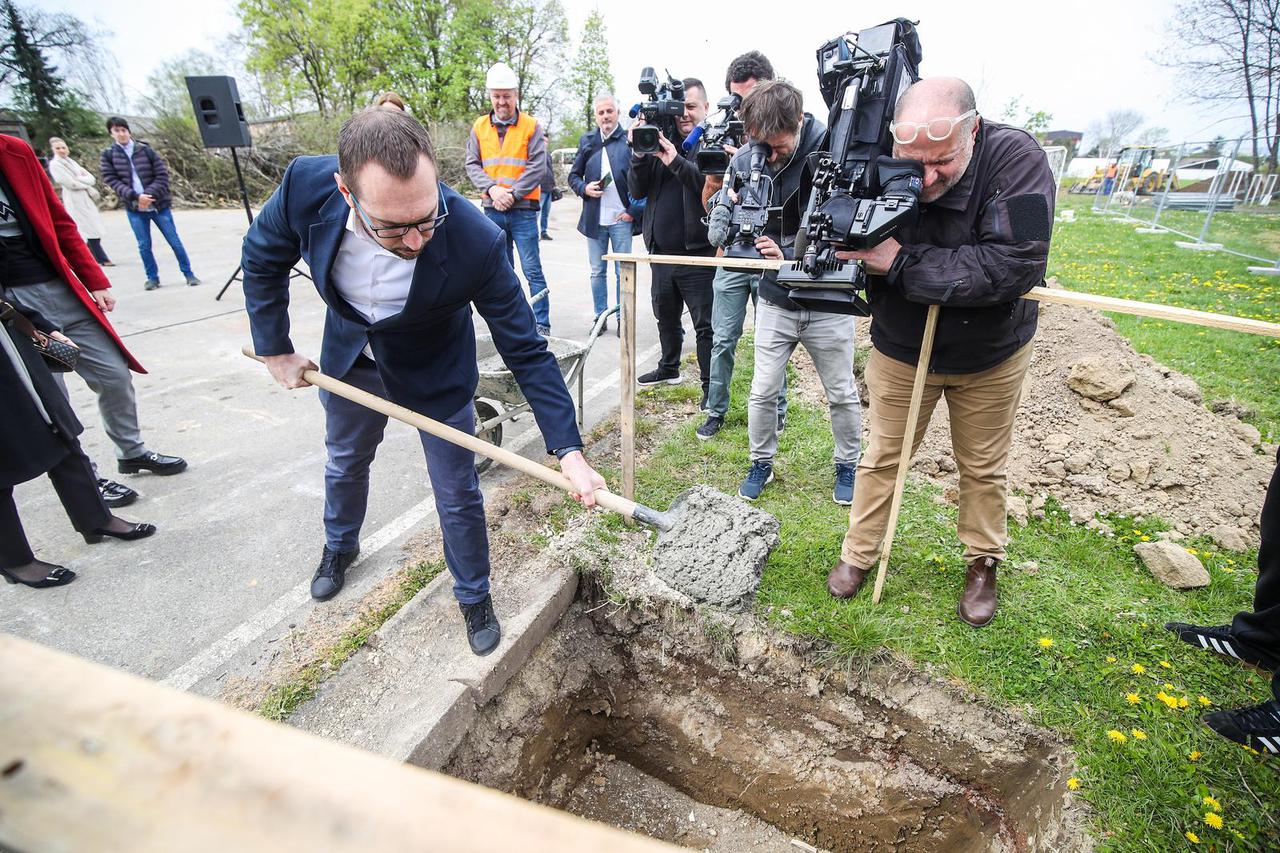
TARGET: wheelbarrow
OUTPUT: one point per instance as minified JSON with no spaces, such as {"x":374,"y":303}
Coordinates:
{"x":498,"y":395}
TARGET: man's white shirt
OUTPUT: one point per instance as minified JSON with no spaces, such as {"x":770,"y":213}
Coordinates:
{"x":611,"y":200}
{"x":372,"y":280}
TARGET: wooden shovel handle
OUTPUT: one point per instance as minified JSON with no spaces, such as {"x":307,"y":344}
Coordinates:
{"x":604,"y":498}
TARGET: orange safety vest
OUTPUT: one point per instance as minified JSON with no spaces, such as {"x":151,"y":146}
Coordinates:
{"x":505,"y":159}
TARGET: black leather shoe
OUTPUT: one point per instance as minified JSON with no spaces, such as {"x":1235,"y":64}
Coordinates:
{"x":483,"y":630}
{"x":115,"y":494}
{"x":53,"y":575}
{"x":331,"y":574}
{"x":141,"y":530}
{"x":156,"y":463}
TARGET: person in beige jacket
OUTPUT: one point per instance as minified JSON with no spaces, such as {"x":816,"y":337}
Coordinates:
{"x":79,"y":196}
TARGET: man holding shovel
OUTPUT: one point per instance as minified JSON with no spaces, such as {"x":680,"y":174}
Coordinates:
{"x":400,"y":259}
{"x":981,"y":242}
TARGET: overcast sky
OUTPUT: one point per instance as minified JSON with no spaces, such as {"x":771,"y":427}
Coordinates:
{"x":1076,"y":61}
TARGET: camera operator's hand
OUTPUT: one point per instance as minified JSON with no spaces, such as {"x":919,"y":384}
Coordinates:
{"x":666,"y":151}
{"x":768,"y":249}
{"x":502,"y":197}
{"x":639,"y":122}
{"x":592,"y":190}
{"x":877,"y":259}
{"x":732,"y":149}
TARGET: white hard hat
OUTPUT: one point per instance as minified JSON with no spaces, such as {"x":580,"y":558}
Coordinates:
{"x":501,"y":76}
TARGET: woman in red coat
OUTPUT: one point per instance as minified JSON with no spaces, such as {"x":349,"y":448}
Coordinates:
{"x":45,"y":264}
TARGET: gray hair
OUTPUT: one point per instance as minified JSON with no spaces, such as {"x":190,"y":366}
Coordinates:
{"x":390,"y":138}
{"x":604,"y":96}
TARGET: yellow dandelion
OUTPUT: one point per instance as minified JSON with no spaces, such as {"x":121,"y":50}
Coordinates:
{"x":1073,"y":784}
{"x":1111,"y":658}
{"x":1132,"y":698}
{"x":1168,"y":686}
{"x":1146,"y":538}
{"x":1184,"y":702}
{"x":1138,"y":669}
{"x":1204,"y":700}
{"x":1046,"y":642}
{"x":1238,"y":834}
{"x":1214,"y":820}
{"x":1213,"y":804}
{"x":1138,"y":734}
{"x":1194,"y":755}
{"x":1166,"y":664}
{"x":1192,"y":837}
{"x":1193,"y":552}
{"x":1117,"y":736}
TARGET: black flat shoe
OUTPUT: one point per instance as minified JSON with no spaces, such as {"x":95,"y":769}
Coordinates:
{"x":156,"y":463}
{"x":331,"y":574}
{"x":483,"y":630}
{"x":141,"y":530}
{"x":54,"y":576}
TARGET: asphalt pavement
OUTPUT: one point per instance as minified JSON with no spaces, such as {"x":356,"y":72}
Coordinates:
{"x":240,"y":531}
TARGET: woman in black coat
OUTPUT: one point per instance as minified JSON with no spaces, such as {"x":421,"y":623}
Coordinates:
{"x":38,"y":433}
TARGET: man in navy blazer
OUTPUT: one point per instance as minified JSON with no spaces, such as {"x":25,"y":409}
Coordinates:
{"x":609,"y":214}
{"x":400,"y":259}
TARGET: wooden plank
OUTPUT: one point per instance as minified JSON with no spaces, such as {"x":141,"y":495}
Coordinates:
{"x":627,"y":376}
{"x":1042,"y":294}
{"x":92,"y":759}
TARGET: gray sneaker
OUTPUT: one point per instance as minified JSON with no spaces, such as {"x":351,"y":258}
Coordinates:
{"x":192,"y":281}
{"x":151,"y":284}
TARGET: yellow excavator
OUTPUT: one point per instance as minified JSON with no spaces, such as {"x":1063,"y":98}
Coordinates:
{"x":1135,"y":164}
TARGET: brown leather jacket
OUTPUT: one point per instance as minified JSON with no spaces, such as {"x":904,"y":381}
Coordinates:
{"x":975,"y":251}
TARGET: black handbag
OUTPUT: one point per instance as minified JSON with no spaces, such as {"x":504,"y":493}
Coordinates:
{"x":58,"y":356}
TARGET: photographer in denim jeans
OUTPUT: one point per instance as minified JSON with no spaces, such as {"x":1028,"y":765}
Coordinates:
{"x":138,"y":175}
{"x":506,"y":160}
{"x":599,"y":175}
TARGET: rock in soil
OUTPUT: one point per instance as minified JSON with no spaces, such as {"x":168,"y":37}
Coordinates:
{"x":1172,"y":565}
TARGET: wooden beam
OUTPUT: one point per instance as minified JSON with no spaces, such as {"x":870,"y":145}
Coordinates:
{"x":627,"y":377}
{"x":93,"y":759}
{"x":1041,"y":294}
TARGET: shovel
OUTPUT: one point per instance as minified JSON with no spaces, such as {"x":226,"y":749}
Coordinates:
{"x":662,"y":521}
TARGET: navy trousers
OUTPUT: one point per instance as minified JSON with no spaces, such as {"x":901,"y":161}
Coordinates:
{"x":352,"y":435}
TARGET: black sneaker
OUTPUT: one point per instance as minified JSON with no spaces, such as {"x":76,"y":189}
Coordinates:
{"x":156,"y":463}
{"x":483,"y":630}
{"x":545,"y":331}
{"x":115,"y":494}
{"x":151,"y":284}
{"x":702,"y":407}
{"x":1220,"y":640}
{"x":192,"y":281}
{"x":546,"y":236}
{"x":331,"y":574}
{"x":658,"y":377}
{"x":1257,"y":727}
{"x":782,"y":422}
{"x":712,"y":425}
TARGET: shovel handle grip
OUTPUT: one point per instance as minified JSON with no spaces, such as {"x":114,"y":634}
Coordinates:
{"x":418,"y":421}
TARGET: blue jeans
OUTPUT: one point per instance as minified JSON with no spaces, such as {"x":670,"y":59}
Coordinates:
{"x":140,"y":221}
{"x":546,"y":211}
{"x":521,"y":228}
{"x":619,"y":233}
{"x":352,"y":435}
{"x":728,"y":311}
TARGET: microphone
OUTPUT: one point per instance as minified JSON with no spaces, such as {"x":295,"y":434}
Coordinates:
{"x":692,"y":139}
{"x":635,"y":111}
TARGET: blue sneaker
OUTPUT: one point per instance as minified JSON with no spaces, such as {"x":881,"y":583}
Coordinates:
{"x":843,"y":493}
{"x":760,"y":475}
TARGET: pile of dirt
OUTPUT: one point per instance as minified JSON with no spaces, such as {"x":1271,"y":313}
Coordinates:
{"x":1104,"y":429}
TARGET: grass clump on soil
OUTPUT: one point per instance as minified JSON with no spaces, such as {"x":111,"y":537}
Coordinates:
{"x":1095,"y":254}
{"x":1078,"y":644}
{"x":285,"y":698}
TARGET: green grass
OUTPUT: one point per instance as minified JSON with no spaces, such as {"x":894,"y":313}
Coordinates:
{"x":1096,"y":254}
{"x":1088,"y":595}
{"x":285,"y":698}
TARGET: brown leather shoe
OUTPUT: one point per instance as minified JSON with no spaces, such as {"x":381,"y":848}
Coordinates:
{"x":845,"y":579}
{"x":978,"y":603}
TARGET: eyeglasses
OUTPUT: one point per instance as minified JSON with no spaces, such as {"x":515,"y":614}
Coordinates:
{"x":937,"y":129}
{"x":390,"y":232}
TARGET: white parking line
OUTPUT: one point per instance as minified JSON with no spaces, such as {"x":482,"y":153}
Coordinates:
{"x":226,"y":647}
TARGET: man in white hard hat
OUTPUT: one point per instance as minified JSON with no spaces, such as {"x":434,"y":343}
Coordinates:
{"x":506,"y":159}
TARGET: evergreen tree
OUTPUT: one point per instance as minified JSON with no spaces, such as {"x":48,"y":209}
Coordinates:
{"x":592,"y":74}
{"x":38,"y":86}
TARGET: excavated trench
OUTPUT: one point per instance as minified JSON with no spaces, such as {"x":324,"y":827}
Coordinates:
{"x":716,"y":733}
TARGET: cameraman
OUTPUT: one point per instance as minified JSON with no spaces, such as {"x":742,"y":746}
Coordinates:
{"x":774,"y":118}
{"x":673,"y":225}
{"x":730,"y":288}
{"x":981,"y":242}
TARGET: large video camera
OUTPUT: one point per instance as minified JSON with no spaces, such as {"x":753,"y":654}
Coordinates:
{"x":750,"y":214}
{"x":721,"y":128}
{"x":859,"y":195}
{"x":663,"y":104}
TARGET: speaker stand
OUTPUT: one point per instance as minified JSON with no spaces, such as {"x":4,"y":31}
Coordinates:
{"x":248,"y":211}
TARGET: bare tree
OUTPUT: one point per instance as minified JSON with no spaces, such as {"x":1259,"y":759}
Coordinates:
{"x":1229,"y":55}
{"x":1114,"y":130}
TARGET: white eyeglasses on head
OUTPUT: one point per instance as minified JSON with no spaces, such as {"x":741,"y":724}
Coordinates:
{"x":937,"y":129}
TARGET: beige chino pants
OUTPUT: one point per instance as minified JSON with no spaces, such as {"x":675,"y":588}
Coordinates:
{"x":982,"y":408}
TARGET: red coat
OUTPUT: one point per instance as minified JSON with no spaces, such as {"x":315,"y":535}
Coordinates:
{"x":53,"y":226}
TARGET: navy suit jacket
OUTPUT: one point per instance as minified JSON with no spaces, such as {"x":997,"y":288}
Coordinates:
{"x":426,"y":354}
{"x":587,"y":168}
